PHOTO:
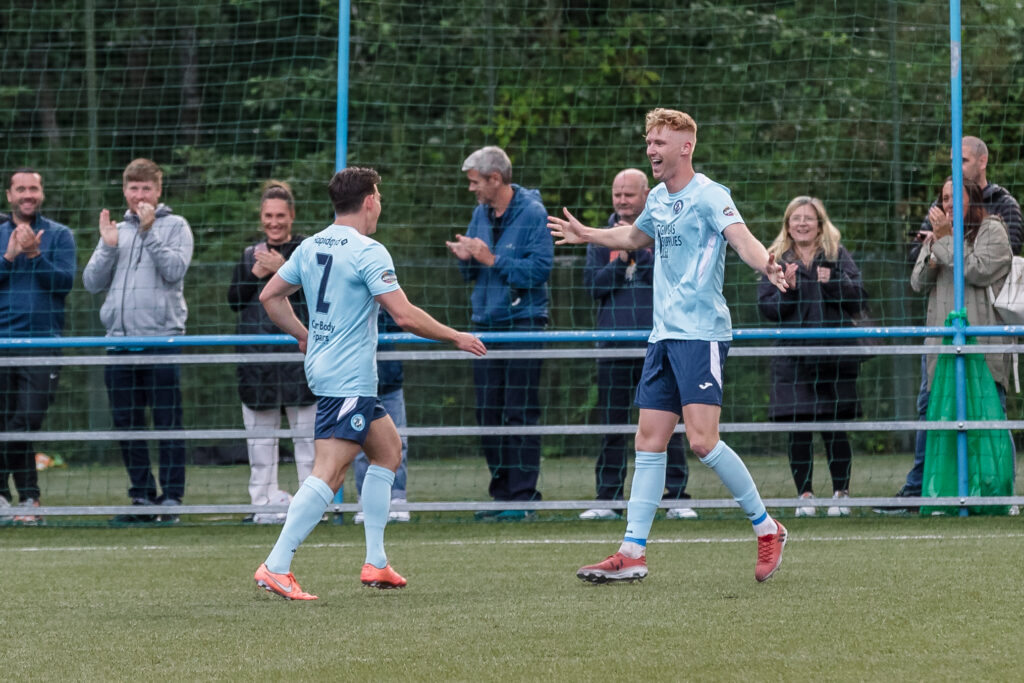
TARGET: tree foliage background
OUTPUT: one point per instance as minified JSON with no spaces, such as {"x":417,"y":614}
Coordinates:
{"x":847,"y":100}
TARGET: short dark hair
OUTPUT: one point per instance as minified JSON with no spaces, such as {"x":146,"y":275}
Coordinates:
{"x":22,"y":169}
{"x":349,"y":187}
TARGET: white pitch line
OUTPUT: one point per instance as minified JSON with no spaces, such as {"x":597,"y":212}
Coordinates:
{"x":529,"y":541}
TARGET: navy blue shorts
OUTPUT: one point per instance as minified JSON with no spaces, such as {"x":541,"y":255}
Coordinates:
{"x":346,"y":418}
{"x":678,"y":372}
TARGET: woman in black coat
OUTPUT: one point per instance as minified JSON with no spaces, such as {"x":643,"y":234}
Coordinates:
{"x":268,"y":388}
{"x":825,"y":290}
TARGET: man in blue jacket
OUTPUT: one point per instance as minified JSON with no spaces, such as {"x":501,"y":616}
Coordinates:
{"x":36,"y":274}
{"x":507,"y":252}
{"x":621,"y":282}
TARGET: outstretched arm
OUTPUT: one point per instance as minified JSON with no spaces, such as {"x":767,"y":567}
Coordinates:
{"x":569,"y":230}
{"x":754,"y":254}
{"x":414,"y":319}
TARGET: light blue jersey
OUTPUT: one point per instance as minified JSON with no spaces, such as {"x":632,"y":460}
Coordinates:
{"x":341,"y":271}
{"x":689,"y":263}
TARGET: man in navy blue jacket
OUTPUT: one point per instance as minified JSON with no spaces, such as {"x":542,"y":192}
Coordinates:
{"x":621,"y":282}
{"x":36,"y":274}
{"x":508,"y":253}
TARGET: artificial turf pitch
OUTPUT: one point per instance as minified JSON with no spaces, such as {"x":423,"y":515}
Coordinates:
{"x":856,"y":599}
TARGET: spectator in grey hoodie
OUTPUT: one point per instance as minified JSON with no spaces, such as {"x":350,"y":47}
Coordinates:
{"x":141,"y":263}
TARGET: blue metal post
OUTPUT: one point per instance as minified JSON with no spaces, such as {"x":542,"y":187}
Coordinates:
{"x":341,"y":118}
{"x":341,"y":129}
{"x":959,"y":338}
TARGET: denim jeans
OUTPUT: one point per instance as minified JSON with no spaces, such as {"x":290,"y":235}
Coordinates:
{"x":394,"y":404}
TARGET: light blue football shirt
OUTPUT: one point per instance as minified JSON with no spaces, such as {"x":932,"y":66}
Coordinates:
{"x":341,"y":271}
{"x":689,"y":263}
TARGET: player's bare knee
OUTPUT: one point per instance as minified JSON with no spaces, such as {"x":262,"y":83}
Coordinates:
{"x":388,"y":455}
{"x":388,"y":461}
{"x":702,"y":446}
{"x":651,"y":444}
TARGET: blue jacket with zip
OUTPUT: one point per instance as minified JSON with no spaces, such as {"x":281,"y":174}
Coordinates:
{"x":515,"y":287}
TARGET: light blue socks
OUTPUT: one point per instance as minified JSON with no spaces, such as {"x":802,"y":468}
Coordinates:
{"x":304,"y":514}
{"x":376,"y":506}
{"x":734,"y":474}
{"x":644,"y":495}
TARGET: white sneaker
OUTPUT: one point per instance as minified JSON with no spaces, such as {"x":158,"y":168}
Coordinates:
{"x":599,"y":513}
{"x":807,"y":510}
{"x":269,"y":518}
{"x":681,"y":513}
{"x":399,"y":515}
{"x":839,"y":510}
{"x":358,"y":519}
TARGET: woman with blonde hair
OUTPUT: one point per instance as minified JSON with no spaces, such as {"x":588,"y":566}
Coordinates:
{"x":825,"y":290}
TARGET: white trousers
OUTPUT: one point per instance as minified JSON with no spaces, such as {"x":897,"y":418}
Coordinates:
{"x":263,"y":453}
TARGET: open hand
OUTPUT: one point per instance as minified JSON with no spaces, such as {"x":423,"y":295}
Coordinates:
{"x":942,"y":224}
{"x":566,"y":231}
{"x":467,"y":342}
{"x":773,"y":271}
{"x":459,"y":248}
{"x":27,"y":240}
{"x":790,"y":275}
{"x":108,"y":229}
{"x":268,"y":260}
{"x":475,"y":247}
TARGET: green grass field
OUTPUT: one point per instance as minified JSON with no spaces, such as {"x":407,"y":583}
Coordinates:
{"x":861,"y":598}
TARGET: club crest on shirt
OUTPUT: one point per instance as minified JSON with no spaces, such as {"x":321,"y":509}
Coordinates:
{"x":729,"y":211}
{"x":358,"y":422}
{"x":678,"y":206}
{"x":389,"y":277}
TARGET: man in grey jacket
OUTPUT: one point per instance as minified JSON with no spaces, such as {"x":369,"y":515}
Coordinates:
{"x":141,"y":263}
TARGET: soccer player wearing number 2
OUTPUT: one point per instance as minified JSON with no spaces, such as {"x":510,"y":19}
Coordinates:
{"x":688,"y":218}
{"x":346,"y":276}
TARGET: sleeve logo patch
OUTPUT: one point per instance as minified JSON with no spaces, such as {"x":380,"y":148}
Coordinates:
{"x":388,"y":277}
{"x":729,"y":211}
